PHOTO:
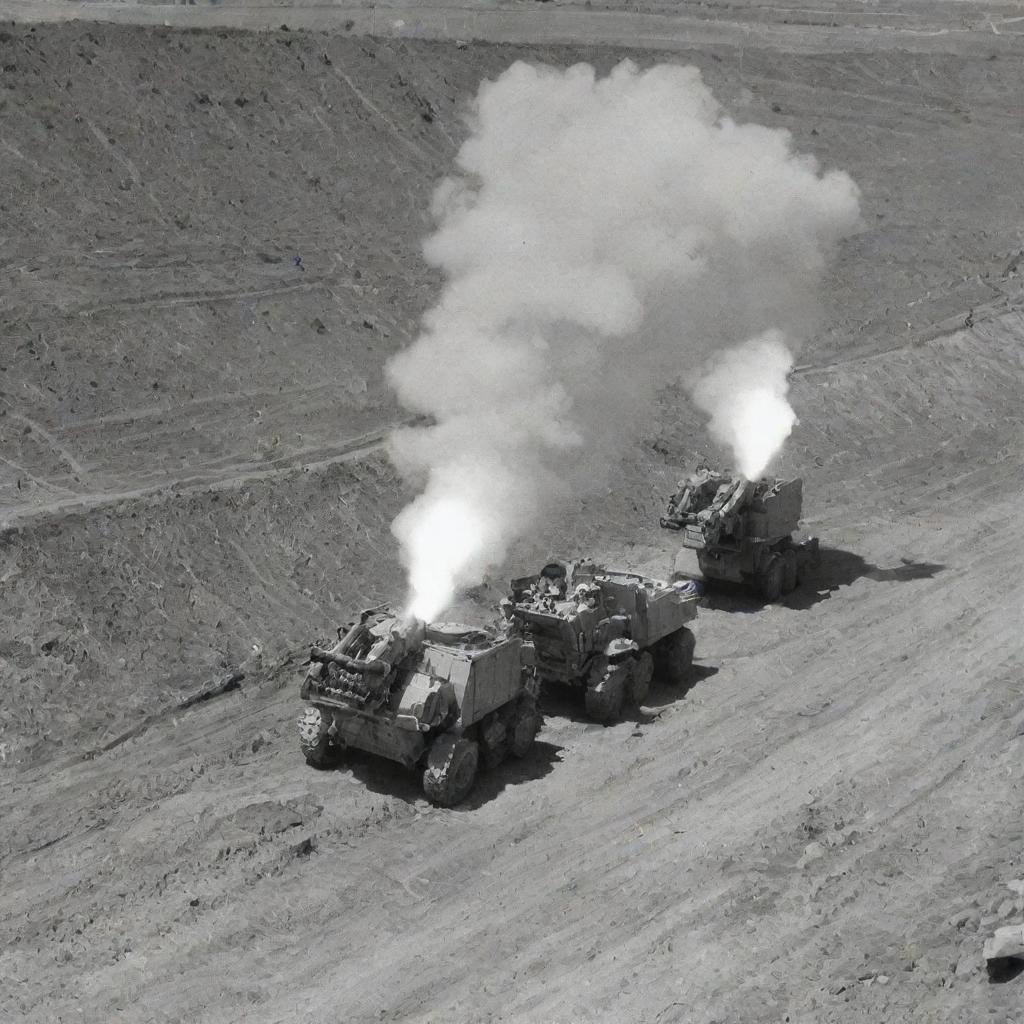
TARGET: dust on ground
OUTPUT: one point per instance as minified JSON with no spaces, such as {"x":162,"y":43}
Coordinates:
{"x":210,"y":247}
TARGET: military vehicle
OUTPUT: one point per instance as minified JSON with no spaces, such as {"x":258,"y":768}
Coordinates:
{"x":604,"y":631}
{"x":443,"y":696}
{"x":740,"y":531}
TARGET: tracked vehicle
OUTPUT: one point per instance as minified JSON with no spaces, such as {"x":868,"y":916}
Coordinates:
{"x":442,"y":696}
{"x":740,"y":531}
{"x":605,"y":632}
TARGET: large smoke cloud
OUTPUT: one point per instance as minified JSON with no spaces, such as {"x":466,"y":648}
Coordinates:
{"x":604,"y":236}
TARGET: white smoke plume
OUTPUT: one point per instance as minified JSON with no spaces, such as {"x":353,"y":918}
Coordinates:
{"x":602,"y":237}
{"x":744,"y":394}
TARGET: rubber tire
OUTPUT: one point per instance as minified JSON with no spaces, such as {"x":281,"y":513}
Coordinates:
{"x":314,"y":740}
{"x":675,"y":656}
{"x":526,"y":723}
{"x":640,"y":678}
{"x":492,"y":756}
{"x":452,"y":764}
{"x":791,"y":574}
{"x":604,"y":699}
{"x":770,"y":582}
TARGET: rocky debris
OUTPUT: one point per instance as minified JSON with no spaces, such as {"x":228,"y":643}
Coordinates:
{"x":225,"y":684}
{"x":967,"y":965}
{"x":1004,"y":952}
{"x":261,"y":740}
{"x":812,"y":852}
{"x":271,"y":817}
{"x":256,"y":823}
{"x":230,"y":840}
{"x":305,"y":847}
{"x":970,"y":918}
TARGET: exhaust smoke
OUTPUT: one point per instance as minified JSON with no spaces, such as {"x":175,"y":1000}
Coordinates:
{"x":602,"y":237}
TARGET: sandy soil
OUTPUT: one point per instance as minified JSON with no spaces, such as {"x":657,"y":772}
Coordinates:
{"x":191,"y":483}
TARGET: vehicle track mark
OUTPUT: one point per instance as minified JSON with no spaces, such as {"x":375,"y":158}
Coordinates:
{"x":357,"y":448}
{"x":196,"y":298}
{"x":377,"y":112}
{"x":55,"y":445}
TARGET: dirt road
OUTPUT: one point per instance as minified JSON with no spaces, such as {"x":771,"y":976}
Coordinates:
{"x":964,"y":25}
{"x":821,"y":829}
{"x":795,"y":836}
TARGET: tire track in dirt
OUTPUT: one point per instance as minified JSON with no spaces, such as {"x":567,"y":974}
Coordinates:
{"x":54,"y":511}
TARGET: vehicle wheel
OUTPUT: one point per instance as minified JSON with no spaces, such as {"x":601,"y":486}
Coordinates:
{"x":526,"y":723}
{"x":314,"y":739}
{"x":640,"y":678}
{"x":494,"y":741}
{"x":451,"y":770}
{"x":675,"y":656}
{"x":605,"y":696}
{"x":791,"y":571}
{"x":771,"y":580}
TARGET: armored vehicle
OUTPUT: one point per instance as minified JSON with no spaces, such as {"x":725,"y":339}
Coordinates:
{"x":443,"y":696}
{"x":740,"y":531}
{"x":604,"y":631}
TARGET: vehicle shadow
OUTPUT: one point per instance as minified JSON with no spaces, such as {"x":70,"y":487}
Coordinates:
{"x":513,"y":771}
{"x":836,"y":569}
{"x":388,"y":778}
{"x":664,"y":695}
{"x":561,"y":701}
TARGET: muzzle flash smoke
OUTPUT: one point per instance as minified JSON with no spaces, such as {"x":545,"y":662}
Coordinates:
{"x":603,"y":236}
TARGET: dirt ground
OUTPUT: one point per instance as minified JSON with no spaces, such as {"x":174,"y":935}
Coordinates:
{"x":209,"y":245}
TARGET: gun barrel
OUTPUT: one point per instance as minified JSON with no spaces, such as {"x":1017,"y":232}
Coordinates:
{"x":375,"y":667}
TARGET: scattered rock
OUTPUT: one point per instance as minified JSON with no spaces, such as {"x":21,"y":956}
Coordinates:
{"x":1007,"y":942}
{"x":272,"y":817}
{"x":964,"y":919}
{"x":967,"y":965}
{"x":231,"y":840}
{"x":812,"y":852}
{"x":261,"y":741}
{"x":1007,"y":909}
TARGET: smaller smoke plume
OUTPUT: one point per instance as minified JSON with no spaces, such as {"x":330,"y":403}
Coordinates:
{"x":744,"y":394}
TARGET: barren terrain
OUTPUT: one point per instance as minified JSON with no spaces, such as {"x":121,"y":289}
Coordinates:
{"x":209,"y":245}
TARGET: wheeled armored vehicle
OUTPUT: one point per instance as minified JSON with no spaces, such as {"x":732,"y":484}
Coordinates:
{"x":442,"y":696}
{"x":604,"y":631}
{"x":740,"y":531}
